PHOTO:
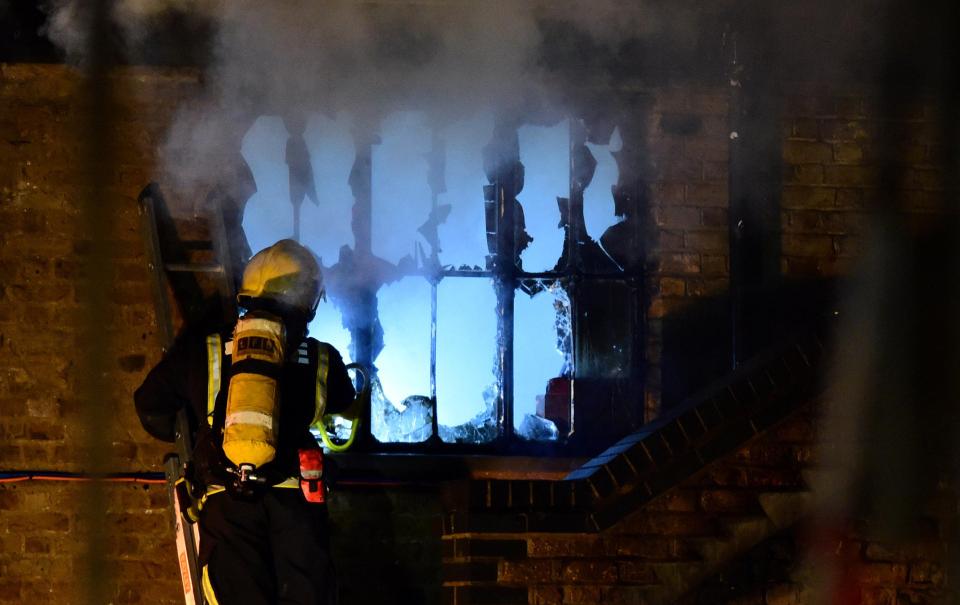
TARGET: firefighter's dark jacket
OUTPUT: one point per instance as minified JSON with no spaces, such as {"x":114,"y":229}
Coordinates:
{"x":181,"y":380}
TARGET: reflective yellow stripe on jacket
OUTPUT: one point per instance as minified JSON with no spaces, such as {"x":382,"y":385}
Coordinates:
{"x":214,"y":370}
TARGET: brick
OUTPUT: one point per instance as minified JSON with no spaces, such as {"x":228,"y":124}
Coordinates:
{"x":803,"y":174}
{"x":807,"y":152}
{"x":667,"y":194}
{"x":595,"y":571}
{"x":538,"y":571}
{"x":566,"y":546}
{"x":808,"y":245}
{"x":36,"y":521}
{"x":802,"y":220}
{"x":671,"y":286}
{"x":545,"y":595}
{"x":707,"y":194}
{"x":9,"y":499}
{"x":11,"y":590}
{"x":850,"y":198}
{"x":636,"y":572}
{"x":38,"y":545}
{"x":714,"y":264}
{"x":844,"y":130}
{"x":683,"y":170}
{"x":677,"y":217}
{"x":649,"y":548}
{"x":665,"y":148}
{"x":677,"y":263}
{"x":851,"y":176}
{"x":809,"y":197}
{"x":669,"y":240}
{"x":715,"y":217}
{"x":706,"y":241}
{"x":847,"y":153}
{"x":582,"y":595}
{"x":702,"y":287}
{"x":712,"y":150}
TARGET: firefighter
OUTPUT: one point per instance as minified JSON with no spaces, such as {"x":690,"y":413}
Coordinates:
{"x":252,"y":391}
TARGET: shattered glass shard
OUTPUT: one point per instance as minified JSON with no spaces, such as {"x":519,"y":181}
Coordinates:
{"x":537,"y":428}
{"x":409,"y":422}
{"x":479,"y":429}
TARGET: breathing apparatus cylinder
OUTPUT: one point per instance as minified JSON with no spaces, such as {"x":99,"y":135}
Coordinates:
{"x":253,"y":400}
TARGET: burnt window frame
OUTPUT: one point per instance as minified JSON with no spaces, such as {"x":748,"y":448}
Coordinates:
{"x":502,"y":162}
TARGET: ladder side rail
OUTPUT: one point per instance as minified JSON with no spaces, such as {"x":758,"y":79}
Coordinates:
{"x":186,"y":537}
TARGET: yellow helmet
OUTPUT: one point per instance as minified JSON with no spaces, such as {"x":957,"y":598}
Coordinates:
{"x":285,"y":273}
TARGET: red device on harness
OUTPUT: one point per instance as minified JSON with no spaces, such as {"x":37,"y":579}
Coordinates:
{"x":311,"y":475}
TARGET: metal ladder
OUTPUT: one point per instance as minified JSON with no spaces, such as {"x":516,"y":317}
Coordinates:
{"x":181,"y":273}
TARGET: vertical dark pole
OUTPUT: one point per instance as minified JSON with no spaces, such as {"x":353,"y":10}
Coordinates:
{"x":735,"y":195}
{"x":97,"y":226}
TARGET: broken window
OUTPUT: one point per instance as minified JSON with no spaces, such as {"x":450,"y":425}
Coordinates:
{"x":463,"y":263}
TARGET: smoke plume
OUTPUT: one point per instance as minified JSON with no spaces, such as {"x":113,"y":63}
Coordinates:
{"x":449,"y":59}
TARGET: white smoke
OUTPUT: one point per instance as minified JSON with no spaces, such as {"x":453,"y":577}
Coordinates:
{"x":449,"y":59}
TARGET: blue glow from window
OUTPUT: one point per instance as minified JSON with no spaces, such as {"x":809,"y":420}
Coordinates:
{"x":463,"y":236}
{"x":404,"y":364}
{"x":326,"y":227}
{"x":545,"y":153}
{"x":466,"y":348}
{"x":598,"y":207}
{"x":268,"y":216}
{"x":536,"y":355}
{"x":401,"y":192}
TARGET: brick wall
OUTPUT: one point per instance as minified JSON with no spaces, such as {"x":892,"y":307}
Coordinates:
{"x":833,"y":151}
{"x":41,"y":259}
{"x":688,"y":249}
{"x":830,"y":145}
